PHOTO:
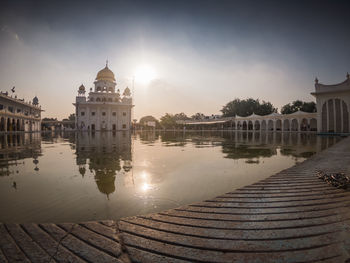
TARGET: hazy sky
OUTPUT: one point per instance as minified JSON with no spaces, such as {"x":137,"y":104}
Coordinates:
{"x":202,"y":53}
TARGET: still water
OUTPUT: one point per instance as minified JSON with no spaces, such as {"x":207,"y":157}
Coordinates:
{"x":72,"y":177}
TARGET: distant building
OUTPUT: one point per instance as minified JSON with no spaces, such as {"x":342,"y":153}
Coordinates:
{"x":16,"y":115}
{"x":105,"y":109}
{"x":333,"y":102}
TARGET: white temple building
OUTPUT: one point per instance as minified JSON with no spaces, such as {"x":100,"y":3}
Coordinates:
{"x":333,"y":102}
{"x":105,"y":109}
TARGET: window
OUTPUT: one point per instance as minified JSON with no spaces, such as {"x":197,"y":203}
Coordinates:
{"x":1,"y":107}
{"x":19,"y":110}
{"x":10,"y":109}
{"x":103,"y":113}
{"x":93,"y":113}
{"x":91,"y":99}
{"x":82,"y":113}
{"x":124,"y":126}
{"x":98,"y":99}
{"x":114,"y":113}
{"x":124,"y":113}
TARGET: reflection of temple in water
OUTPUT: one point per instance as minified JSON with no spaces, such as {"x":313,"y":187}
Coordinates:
{"x":105,"y":155}
{"x":16,"y":147}
{"x":256,"y":144}
{"x":250,"y":145}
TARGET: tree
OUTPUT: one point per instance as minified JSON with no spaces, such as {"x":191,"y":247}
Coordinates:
{"x":247,"y":107}
{"x":299,"y":105}
{"x":71,"y":117}
{"x":168,"y":121}
{"x":144,"y":120}
{"x":49,"y":119}
{"x":198,"y":116}
{"x":181,"y":116}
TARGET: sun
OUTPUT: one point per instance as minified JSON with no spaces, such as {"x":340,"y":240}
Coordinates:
{"x":144,"y":74}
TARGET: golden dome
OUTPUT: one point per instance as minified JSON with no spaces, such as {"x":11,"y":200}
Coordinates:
{"x":105,"y":74}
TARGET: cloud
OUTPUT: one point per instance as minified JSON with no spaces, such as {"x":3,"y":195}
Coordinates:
{"x":6,"y":29}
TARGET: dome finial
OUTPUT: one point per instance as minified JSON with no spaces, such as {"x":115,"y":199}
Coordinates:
{"x":107,"y":63}
{"x":316,"y":80}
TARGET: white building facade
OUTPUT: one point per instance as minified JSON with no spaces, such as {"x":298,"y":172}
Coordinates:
{"x":104,"y":109}
{"x":17,"y":115}
{"x":333,"y":102}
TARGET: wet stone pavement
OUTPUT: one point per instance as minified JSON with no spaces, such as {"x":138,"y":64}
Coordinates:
{"x":292,"y":216}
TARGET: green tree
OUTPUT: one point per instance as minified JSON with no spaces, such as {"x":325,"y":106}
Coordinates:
{"x":198,"y":116}
{"x":298,"y":105}
{"x":247,"y":107}
{"x":144,"y":120}
{"x":71,"y":117}
{"x":168,"y":121}
{"x":181,"y":116}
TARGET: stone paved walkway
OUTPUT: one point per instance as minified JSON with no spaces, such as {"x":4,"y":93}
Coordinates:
{"x":291,"y":216}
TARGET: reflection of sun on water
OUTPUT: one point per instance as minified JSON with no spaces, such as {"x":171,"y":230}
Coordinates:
{"x":145,"y":187}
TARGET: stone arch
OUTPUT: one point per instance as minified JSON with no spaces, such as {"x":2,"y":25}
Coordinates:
{"x":345,"y":117}
{"x":263,"y":125}
{"x":338,"y":120}
{"x":304,"y":125}
{"x":257,"y":125}
{"x":2,"y":124}
{"x":98,"y":89}
{"x":244,"y":125}
{"x":9,"y":124}
{"x":18,"y":125}
{"x":286,"y":125}
{"x":313,"y":124}
{"x":324,"y":118}
{"x":278,"y":125}
{"x":98,"y":99}
{"x":13,"y":125}
{"x":270,"y":125}
{"x":250,"y":125}
{"x":91,"y":99}
{"x":104,"y":99}
{"x":294,"y":125}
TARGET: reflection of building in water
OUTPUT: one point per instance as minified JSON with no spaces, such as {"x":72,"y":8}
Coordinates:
{"x":16,"y":147}
{"x":18,"y":115}
{"x":256,"y":144}
{"x":104,"y":109}
{"x":105,"y":155}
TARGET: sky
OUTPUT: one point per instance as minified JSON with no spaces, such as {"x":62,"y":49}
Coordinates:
{"x":186,"y":56}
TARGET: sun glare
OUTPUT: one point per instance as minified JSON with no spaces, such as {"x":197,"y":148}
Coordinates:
{"x":144,"y":74}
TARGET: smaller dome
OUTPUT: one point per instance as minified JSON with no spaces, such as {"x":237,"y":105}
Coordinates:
{"x":127,"y":92}
{"x":35,"y":101}
{"x":105,"y":74}
{"x":82,"y":87}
